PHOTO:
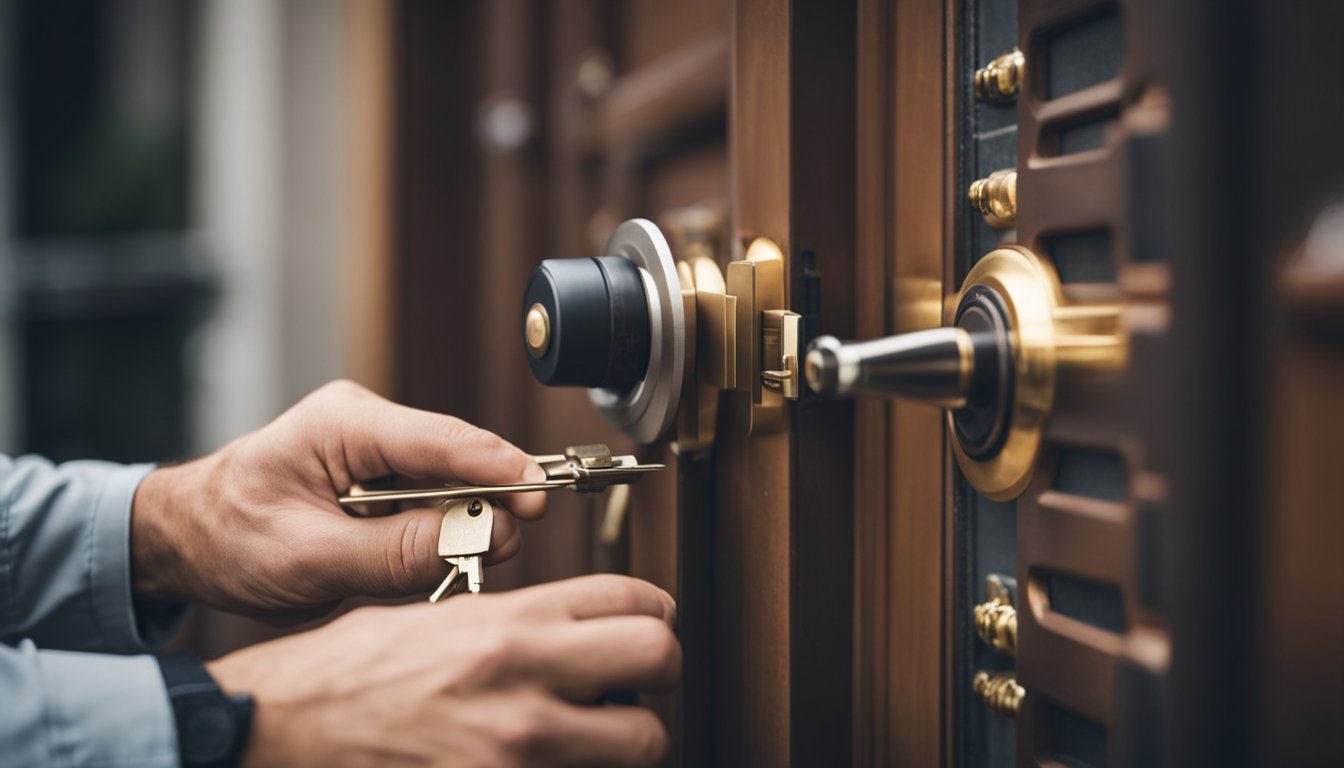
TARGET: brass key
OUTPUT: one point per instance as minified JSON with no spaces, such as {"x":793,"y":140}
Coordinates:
{"x":464,"y":538}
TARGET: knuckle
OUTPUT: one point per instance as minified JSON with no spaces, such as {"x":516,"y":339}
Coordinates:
{"x":622,"y":592}
{"x":408,"y":546}
{"x":522,"y":735}
{"x":496,"y":656}
{"x":343,"y":388}
{"x":650,"y":742}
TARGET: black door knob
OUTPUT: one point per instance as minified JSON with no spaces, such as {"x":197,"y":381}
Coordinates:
{"x":586,"y":323}
{"x":616,"y":324}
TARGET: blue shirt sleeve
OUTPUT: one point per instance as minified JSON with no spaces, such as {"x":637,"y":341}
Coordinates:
{"x":65,"y":584}
{"x":83,"y":709}
{"x":65,"y":566}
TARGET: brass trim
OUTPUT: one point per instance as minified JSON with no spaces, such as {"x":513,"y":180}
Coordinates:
{"x":1030,"y":292}
{"x":537,"y":330}
{"x":996,"y":624}
{"x":1047,"y":336}
{"x":995,"y":197}
{"x":999,"y":691}
{"x":999,"y":81}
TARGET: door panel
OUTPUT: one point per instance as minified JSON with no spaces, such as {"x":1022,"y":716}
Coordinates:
{"x":829,"y":569}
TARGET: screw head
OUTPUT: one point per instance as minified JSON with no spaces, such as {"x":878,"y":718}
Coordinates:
{"x":537,"y":329}
{"x":475,"y":508}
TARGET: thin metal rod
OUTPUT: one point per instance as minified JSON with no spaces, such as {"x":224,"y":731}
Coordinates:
{"x":455,"y":492}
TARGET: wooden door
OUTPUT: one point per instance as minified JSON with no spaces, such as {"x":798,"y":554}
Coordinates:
{"x":1160,"y":551}
{"x":828,"y":570}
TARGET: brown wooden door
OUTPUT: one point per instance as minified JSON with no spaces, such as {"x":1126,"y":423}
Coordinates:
{"x":827,"y":570}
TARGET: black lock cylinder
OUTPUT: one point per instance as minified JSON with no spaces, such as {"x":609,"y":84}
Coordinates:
{"x":586,"y":323}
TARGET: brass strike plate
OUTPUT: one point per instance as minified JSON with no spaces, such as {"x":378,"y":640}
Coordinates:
{"x":744,"y":338}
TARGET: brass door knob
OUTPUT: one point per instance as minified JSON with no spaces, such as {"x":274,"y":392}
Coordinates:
{"x":993,"y":369}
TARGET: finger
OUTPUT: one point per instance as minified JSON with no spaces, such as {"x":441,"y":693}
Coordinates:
{"x":583,"y":660}
{"x":391,"y":556}
{"x":630,"y":737}
{"x":603,"y":594}
{"x":378,"y":437}
{"x":528,"y":506}
{"x":505,"y":538}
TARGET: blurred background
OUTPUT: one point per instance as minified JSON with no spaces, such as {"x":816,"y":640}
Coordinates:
{"x":209,"y":208}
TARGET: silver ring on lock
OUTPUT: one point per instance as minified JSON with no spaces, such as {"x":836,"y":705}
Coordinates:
{"x":647,"y":409}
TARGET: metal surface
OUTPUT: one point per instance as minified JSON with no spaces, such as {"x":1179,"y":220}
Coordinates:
{"x":779,"y":349}
{"x":999,"y":691}
{"x":999,"y":80}
{"x":934,"y":366}
{"x":995,"y":197}
{"x":1000,"y":397}
{"x":583,"y":469}
{"x":996,"y":624}
{"x":646,"y":410}
{"x":537,"y":330}
{"x":464,"y":538}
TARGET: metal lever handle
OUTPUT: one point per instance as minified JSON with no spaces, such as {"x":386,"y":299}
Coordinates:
{"x":993,"y":369}
{"x":935,"y":366}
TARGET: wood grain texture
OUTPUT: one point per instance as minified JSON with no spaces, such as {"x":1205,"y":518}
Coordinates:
{"x":920,"y":510}
{"x":873,"y":660}
{"x":370,"y":347}
{"x":753,"y":537}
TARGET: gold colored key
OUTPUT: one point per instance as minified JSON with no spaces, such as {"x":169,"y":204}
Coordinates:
{"x":468,"y":518}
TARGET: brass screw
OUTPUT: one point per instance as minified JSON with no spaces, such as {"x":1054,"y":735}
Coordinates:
{"x":1000,"y":692}
{"x":996,"y":624}
{"x":999,"y":80}
{"x":537,"y":328}
{"x":995,"y":197}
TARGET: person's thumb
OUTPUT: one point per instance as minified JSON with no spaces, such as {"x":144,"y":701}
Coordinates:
{"x":398,"y":555}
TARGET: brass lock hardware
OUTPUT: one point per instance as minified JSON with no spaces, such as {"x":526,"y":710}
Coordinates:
{"x":999,"y":691}
{"x":999,"y":81}
{"x":996,"y":618}
{"x":995,"y":197}
{"x":994,"y":369}
{"x":643,"y":332}
{"x":744,"y":340}
{"x":537,"y":330}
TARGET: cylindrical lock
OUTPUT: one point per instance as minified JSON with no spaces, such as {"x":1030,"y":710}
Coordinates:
{"x":586,"y":323}
{"x":615,"y":324}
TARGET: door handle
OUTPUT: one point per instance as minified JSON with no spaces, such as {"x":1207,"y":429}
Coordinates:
{"x":993,"y":369}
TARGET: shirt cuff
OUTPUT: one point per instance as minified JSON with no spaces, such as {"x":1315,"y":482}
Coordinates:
{"x":122,"y":626}
{"x":106,"y":711}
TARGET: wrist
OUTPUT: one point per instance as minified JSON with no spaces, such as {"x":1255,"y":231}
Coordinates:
{"x":236,"y":674}
{"x":157,"y":560}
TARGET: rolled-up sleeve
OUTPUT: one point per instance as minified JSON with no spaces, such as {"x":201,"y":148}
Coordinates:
{"x":65,"y":566}
{"x":83,"y":709}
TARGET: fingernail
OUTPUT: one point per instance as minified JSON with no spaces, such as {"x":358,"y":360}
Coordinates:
{"x":534,"y":474}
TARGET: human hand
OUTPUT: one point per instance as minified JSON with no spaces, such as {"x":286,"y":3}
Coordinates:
{"x":502,"y":679}
{"x":255,"y":527}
